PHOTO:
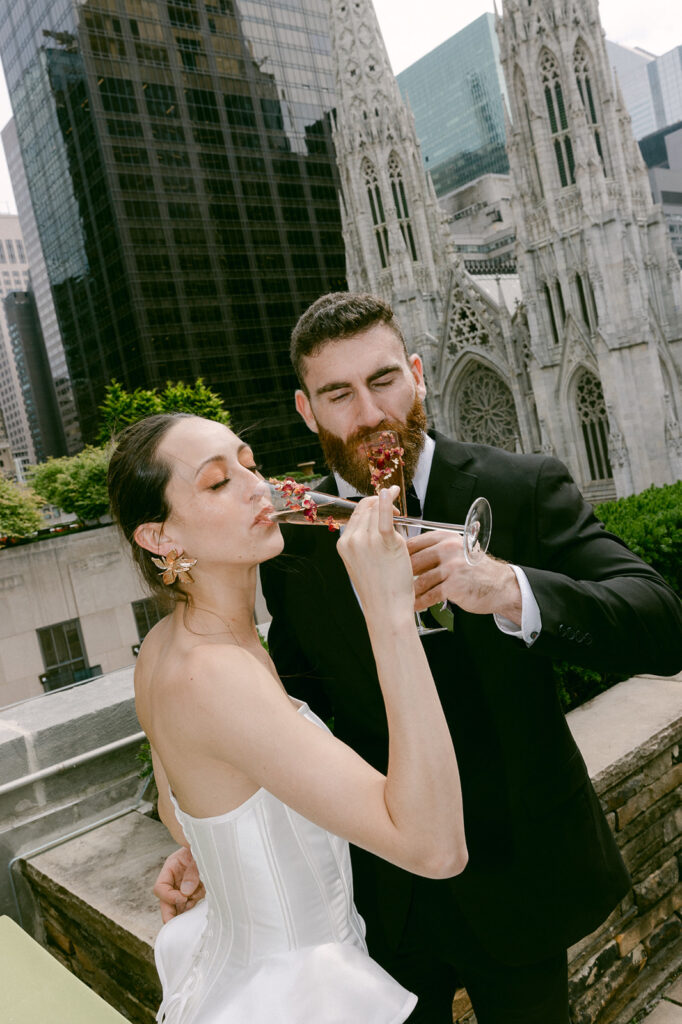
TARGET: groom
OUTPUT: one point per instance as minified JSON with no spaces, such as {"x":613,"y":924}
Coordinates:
{"x":543,"y":867}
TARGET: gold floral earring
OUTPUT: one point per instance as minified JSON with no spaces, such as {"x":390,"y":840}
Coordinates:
{"x":174,"y":566}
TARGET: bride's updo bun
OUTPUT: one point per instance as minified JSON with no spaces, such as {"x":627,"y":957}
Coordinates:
{"x":137,"y":480}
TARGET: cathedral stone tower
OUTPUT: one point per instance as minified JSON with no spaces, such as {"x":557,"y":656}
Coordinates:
{"x":600,"y":281}
{"x":396,"y":243}
{"x":398,"y":246}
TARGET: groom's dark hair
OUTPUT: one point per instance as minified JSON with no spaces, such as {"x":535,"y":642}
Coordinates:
{"x":335,"y":316}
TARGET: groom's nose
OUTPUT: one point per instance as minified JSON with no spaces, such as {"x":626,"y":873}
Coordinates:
{"x":368,"y":413}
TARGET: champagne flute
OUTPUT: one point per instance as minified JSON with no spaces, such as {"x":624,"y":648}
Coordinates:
{"x":295,"y":503}
{"x":384,"y":453}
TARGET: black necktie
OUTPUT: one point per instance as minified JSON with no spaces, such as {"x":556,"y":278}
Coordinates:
{"x":414,"y":505}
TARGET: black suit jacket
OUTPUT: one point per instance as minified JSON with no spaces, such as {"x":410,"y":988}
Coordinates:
{"x":543,"y":865}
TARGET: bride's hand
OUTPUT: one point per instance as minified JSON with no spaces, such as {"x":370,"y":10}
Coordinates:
{"x":375,"y":555}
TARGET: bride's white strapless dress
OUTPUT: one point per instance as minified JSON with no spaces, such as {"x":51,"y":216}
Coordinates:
{"x":278,"y":939}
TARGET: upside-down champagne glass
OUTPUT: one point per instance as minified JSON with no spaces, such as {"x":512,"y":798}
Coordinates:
{"x":296,"y":503}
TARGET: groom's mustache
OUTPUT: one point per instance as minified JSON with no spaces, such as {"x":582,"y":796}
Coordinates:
{"x":348,"y":457}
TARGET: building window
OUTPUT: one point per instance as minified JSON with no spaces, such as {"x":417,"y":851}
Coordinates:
{"x":553,"y":320}
{"x":558,"y":120}
{"x":586,"y":300}
{"x":395,"y":175}
{"x":582,"y":75}
{"x":522,"y":94}
{"x":377,"y":210}
{"x":484,"y":410}
{"x":64,"y":655}
{"x":594,"y":425}
{"x":147,"y":612}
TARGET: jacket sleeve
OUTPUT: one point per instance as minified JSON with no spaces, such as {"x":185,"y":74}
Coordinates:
{"x":601,"y":605}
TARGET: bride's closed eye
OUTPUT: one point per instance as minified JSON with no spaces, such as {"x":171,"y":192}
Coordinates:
{"x":221,"y":483}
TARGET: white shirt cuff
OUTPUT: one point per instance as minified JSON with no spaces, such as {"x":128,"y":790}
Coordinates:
{"x":531,"y":621}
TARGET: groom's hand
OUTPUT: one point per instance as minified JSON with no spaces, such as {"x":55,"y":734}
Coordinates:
{"x":443,"y":574}
{"x":178,"y":887}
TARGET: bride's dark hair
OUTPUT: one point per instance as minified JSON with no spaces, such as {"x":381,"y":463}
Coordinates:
{"x":137,"y":480}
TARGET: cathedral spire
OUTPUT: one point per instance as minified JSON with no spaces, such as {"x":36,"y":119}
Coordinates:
{"x":591,"y":244}
{"x":364,"y":78}
{"x":396,"y":241}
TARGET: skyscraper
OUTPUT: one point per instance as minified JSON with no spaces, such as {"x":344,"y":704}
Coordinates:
{"x":40,"y":286}
{"x":631,"y":67}
{"x":182,"y":175}
{"x":457,"y":94}
{"x":33,"y":370}
{"x":13,"y":275}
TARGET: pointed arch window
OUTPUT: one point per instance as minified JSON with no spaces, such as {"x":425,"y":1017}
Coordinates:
{"x":558,"y":119}
{"x":594,"y":424}
{"x":376,"y":207}
{"x":581,"y":66}
{"x":395,"y":175}
{"x":522,"y":94}
{"x":484,"y":409}
{"x":556,"y":308}
{"x":586,"y":300}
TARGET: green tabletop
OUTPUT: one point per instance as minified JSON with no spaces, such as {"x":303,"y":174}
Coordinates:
{"x":36,"y":989}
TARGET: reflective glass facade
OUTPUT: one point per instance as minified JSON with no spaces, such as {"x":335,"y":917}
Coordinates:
{"x":182,"y":174}
{"x":456,"y":95}
{"x":35,"y":379}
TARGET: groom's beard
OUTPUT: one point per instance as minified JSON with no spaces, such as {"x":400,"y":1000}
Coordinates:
{"x":349,"y":460}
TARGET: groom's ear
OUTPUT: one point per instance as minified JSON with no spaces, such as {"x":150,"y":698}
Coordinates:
{"x":304,"y":409}
{"x":151,"y":537}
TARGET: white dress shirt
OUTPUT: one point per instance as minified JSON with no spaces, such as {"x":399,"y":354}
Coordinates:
{"x":531,"y":621}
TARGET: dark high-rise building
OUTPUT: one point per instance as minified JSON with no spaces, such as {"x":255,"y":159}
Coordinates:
{"x":35,"y":379}
{"x":41,"y":292}
{"x":182,"y":174}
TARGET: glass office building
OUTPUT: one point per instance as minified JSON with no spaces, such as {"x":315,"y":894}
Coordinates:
{"x":35,"y":379}
{"x":456,"y":93}
{"x":182,"y":174}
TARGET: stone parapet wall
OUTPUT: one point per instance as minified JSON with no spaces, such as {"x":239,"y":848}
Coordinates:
{"x":93,"y":894}
{"x":617,"y":970}
{"x":67,"y":762}
{"x":99,"y":916}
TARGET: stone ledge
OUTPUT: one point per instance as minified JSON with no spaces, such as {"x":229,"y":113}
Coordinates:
{"x":98,"y":912}
{"x":630,"y":737}
{"x":625,"y":726}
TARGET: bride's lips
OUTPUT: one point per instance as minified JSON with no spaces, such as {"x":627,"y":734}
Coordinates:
{"x":263,"y":517}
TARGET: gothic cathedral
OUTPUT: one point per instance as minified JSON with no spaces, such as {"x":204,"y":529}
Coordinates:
{"x":589,"y":365}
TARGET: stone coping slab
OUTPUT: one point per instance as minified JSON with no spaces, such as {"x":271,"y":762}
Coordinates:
{"x":112,"y":870}
{"x":616,"y":729}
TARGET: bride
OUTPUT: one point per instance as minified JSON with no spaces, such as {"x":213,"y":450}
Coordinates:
{"x":251,"y":780}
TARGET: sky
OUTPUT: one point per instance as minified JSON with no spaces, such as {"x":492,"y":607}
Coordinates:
{"x":654,"y":25}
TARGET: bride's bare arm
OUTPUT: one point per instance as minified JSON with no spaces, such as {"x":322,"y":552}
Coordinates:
{"x":238,"y":714}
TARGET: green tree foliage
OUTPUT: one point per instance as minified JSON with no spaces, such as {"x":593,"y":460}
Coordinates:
{"x":19,"y":510}
{"x":650,"y":523}
{"x":121,"y":407}
{"x":75,"y":484}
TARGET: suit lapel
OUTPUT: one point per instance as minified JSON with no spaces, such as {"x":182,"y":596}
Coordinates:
{"x":451,"y":489}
